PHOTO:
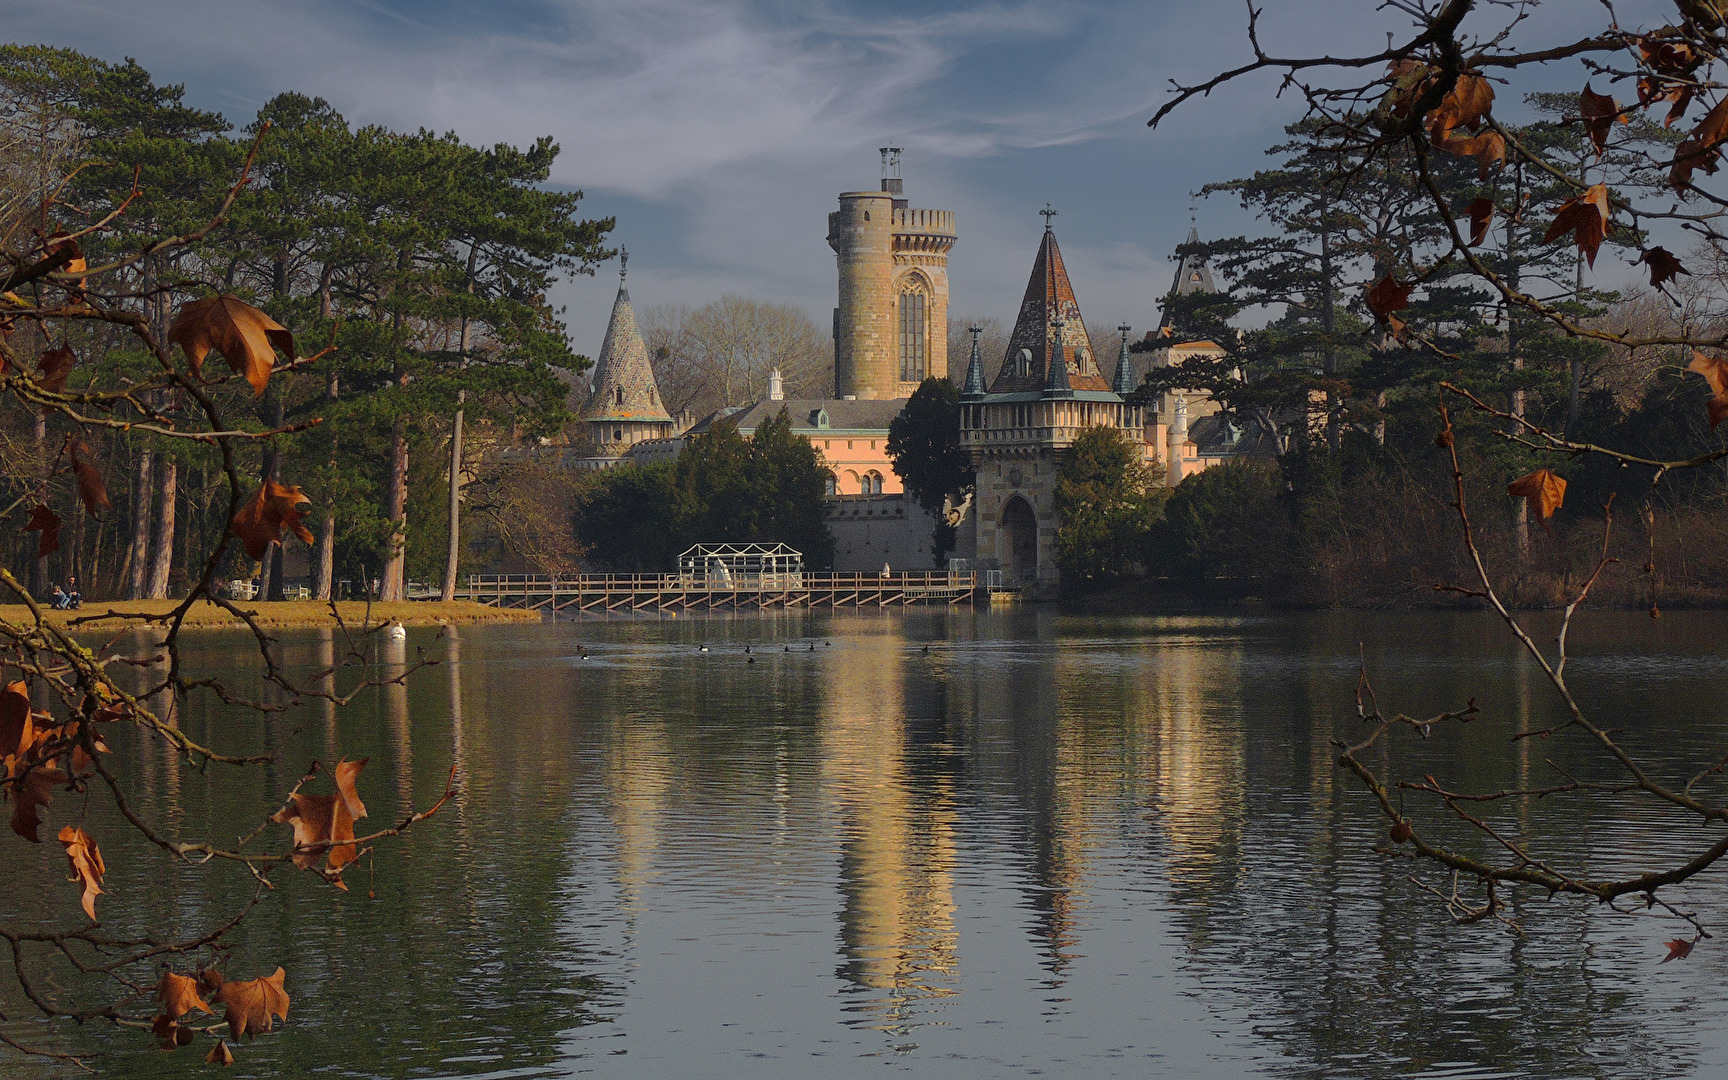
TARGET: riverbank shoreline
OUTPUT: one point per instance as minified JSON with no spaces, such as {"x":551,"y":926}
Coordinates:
{"x":273,"y":615}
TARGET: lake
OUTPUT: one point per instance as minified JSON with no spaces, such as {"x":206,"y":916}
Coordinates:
{"x":933,"y":844}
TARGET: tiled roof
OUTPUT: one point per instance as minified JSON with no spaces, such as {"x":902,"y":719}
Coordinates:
{"x":1049,"y":297}
{"x":807,"y":412}
{"x":623,"y":384}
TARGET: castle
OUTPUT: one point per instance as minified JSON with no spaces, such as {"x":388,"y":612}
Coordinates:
{"x":890,"y":332}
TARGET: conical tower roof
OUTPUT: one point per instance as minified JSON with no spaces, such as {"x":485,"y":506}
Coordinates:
{"x":1192,"y":273}
{"x":974,"y":388}
{"x":1049,"y":301}
{"x":623,"y":386}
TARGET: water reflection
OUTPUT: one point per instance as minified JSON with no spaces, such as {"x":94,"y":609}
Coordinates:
{"x":897,"y":935}
{"x":960,"y":845}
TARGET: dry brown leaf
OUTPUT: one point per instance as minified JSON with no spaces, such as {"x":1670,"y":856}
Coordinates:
{"x":1488,"y":148}
{"x":345,"y":774}
{"x":1481,"y":216}
{"x":1545,"y":491}
{"x":1678,"y":949}
{"x":1464,"y":106}
{"x":1652,"y":90}
{"x":1701,"y":149}
{"x":75,"y":265}
{"x":86,"y":862}
{"x":240,"y":332}
{"x":179,"y":995}
{"x":92,"y":491}
{"x":1598,"y":112}
{"x":54,"y":367}
{"x":219,"y":1054}
{"x":1713,"y":368}
{"x":1401,"y":832}
{"x":320,"y":823}
{"x":1586,"y":218}
{"x":1667,"y":52}
{"x":47,"y":522}
{"x":253,"y":1004}
{"x":30,"y":790}
{"x":170,"y":1035}
{"x":17,"y":730}
{"x":1663,"y":266}
{"x":261,"y":521}
{"x":1388,"y":295}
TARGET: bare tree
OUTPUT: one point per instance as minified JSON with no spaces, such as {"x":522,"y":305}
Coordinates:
{"x":721,"y":353}
{"x":992,"y":345}
{"x":1430,"y":94}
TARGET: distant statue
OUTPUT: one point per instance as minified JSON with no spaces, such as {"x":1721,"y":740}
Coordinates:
{"x":952,"y":514}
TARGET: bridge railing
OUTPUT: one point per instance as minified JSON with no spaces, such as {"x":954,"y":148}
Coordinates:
{"x":481,"y":586}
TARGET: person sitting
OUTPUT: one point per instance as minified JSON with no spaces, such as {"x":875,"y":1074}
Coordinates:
{"x":73,"y":598}
{"x":61,"y":600}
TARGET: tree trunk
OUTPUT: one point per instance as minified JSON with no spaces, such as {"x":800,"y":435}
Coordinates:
{"x":324,"y":550}
{"x":162,"y":563}
{"x":452,"y":551}
{"x":39,"y":567}
{"x":138,"y":556}
{"x":270,"y":469}
{"x":391,"y":587}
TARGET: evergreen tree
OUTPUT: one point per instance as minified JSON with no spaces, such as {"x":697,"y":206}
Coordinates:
{"x":1103,"y":506}
{"x":924,"y":442}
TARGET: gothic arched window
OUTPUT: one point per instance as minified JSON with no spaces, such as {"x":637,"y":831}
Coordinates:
{"x":914,"y":331}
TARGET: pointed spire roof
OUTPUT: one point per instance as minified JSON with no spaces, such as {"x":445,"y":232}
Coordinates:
{"x":623,"y":385}
{"x":974,"y":387}
{"x":1192,"y":273}
{"x":1047,"y":310}
{"x":1123,"y":384}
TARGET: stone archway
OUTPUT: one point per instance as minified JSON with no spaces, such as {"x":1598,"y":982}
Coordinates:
{"x":1020,"y":539}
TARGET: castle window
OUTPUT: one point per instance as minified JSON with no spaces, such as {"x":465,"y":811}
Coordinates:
{"x":620,"y":392}
{"x":832,"y":485}
{"x":914,"y":325}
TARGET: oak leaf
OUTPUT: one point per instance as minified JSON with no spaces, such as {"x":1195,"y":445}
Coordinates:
{"x":54,"y":366}
{"x":1663,"y":266}
{"x":179,"y":994}
{"x":87,"y":866}
{"x":240,"y":332}
{"x":219,"y":1054}
{"x":261,"y":521}
{"x":1678,"y":949}
{"x":47,"y":522}
{"x":92,"y":491}
{"x":254,"y":1004}
{"x":1481,"y":216}
{"x":1586,"y":218}
{"x":1544,"y":490}
{"x":1598,"y":112}
{"x":1701,"y":148}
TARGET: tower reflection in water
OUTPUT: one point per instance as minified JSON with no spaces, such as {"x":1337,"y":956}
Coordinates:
{"x":898,"y":941}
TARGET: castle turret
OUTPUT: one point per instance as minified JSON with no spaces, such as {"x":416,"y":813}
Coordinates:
{"x":623,"y":406}
{"x":891,"y":325}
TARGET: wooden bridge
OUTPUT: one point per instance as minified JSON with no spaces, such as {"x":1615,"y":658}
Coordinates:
{"x":600,"y":593}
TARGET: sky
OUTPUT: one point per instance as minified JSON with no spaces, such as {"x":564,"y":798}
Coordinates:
{"x":719,"y":132}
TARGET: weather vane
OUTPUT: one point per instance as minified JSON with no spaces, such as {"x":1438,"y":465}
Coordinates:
{"x":1048,"y":214}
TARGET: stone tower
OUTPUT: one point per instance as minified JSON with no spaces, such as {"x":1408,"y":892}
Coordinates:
{"x":891,"y":325}
{"x":1048,"y":390}
{"x":623,"y":406}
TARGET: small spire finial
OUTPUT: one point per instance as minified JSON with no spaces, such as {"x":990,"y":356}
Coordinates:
{"x":1125,"y":328}
{"x":623,"y":264}
{"x":974,"y":331}
{"x":1048,"y":213}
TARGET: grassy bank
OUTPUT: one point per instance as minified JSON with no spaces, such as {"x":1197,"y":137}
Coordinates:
{"x":280,"y":615}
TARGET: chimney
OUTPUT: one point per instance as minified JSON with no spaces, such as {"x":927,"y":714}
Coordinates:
{"x":776,"y":388}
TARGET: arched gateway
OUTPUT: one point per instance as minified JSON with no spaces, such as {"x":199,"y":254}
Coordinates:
{"x":1020,"y":535}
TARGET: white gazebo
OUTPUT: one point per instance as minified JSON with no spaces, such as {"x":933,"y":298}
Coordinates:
{"x":742,"y":566}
